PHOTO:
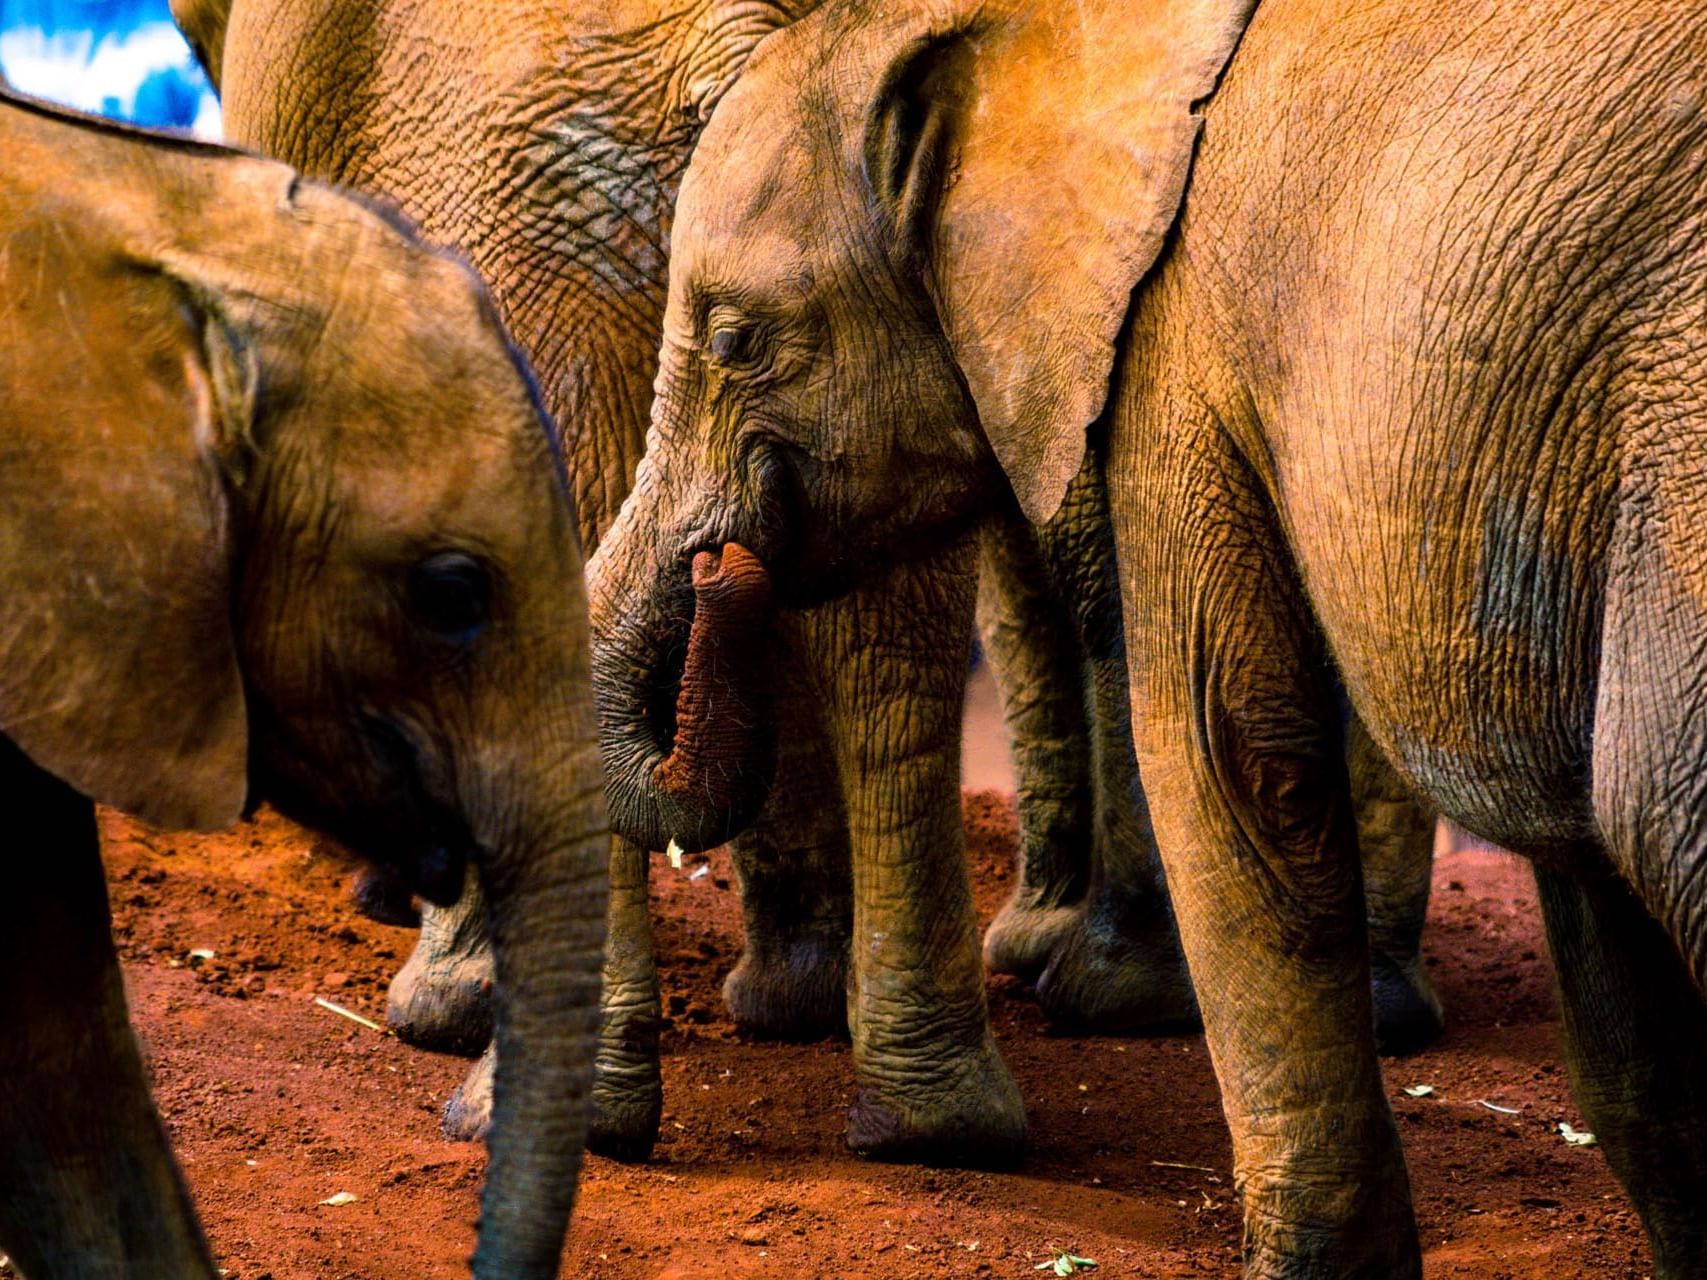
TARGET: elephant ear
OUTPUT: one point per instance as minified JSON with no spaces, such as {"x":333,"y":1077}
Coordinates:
{"x":118,"y":667}
{"x":1035,"y":158}
{"x":719,"y":40}
{"x":203,"y":23}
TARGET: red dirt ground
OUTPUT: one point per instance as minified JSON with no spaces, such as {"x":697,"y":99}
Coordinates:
{"x":276,"y":1105}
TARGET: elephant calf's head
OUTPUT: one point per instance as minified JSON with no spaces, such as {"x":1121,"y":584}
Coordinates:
{"x":407,"y":612}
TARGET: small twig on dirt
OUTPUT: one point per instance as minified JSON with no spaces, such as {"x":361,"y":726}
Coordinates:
{"x":1494,"y":1106}
{"x":1169,"y":1164}
{"x":342,"y":1012}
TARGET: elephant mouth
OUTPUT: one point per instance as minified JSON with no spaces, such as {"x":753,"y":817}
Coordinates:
{"x":385,"y":813}
{"x":686,"y":736}
{"x":437,"y":872}
{"x":424,"y":841}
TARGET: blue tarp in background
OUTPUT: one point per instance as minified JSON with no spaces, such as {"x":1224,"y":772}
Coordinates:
{"x":120,"y":58}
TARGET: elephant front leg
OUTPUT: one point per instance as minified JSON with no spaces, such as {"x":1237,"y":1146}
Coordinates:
{"x":442,"y":996}
{"x":930,"y":1083}
{"x":1121,"y":969}
{"x":1241,"y":749}
{"x":1090,"y":911}
{"x":796,"y":882}
{"x":628,"y":1088}
{"x":87,"y":1183}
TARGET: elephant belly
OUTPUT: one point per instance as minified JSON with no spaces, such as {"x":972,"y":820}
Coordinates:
{"x":1469,"y":653}
{"x":1451,"y":332}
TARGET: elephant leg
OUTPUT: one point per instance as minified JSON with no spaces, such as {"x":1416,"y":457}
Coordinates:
{"x":88,"y":1188}
{"x":1241,"y":749}
{"x":1636,"y":1040}
{"x":1034,"y":656}
{"x":930,"y":1085}
{"x":796,"y":883}
{"x":1120,"y":968}
{"x":1395,"y":835}
{"x":442,"y":996}
{"x":628,"y":1088}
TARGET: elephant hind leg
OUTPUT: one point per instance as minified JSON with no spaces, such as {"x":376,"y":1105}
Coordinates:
{"x":1029,"y":642}
{"x":87,"y":1183}
{"x":1632,"y":956}
{"x":1636,"y":1037}
{"x":796,"y":876}
{"x":1395,"y":835}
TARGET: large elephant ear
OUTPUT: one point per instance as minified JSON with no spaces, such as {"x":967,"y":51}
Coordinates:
{"x":1036,"y":156}
{"x":203,"y":23}
{"x":118,"y":668}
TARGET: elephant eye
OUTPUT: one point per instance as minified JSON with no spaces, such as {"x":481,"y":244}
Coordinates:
{"x":451,"y":593}
{"x":733,"y":343}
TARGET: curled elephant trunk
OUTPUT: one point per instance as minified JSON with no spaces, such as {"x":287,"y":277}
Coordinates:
{"x":547,"y":909}
{"x":694,"y":770}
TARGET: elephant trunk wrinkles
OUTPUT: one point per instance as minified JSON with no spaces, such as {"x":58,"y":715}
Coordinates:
{"x":711,"y":778}
{"x":547,"y":906}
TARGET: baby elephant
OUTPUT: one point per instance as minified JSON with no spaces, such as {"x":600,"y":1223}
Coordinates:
{"x":281,"y":520}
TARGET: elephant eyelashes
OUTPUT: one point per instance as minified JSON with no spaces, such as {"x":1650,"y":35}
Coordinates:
{"x":451,"y":594}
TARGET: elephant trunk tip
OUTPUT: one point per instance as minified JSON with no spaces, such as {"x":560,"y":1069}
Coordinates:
{"x":717,"y":725}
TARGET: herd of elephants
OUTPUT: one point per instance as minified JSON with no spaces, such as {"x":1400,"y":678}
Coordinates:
{"x":1303,"y":403}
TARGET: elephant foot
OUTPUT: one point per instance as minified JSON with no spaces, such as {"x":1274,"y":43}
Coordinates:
{"x":381,"y":896}
{"x":442,"y":1002}
{"x":1025,"y":933}
{"x":974,"y":1119}
{"x":1119,"y":981}
{"x":626,"y":1109}
{"x":798,"y":991}
{"x":628,"y":1101}
{"x":468,"y":1113}
{"x":1361,"y":1228}
{"x":1408,"y":1014}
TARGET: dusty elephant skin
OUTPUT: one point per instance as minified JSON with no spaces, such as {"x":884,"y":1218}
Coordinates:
{"x":1408,"y":376}
{"x":280,"y":520}
{"x":547,"y":142}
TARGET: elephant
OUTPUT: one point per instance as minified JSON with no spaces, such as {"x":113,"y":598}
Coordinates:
{"x":550,"y":152}
{"x":547,"y":146}
{"x":1382,"y":324}
{"x":281,"y":522}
